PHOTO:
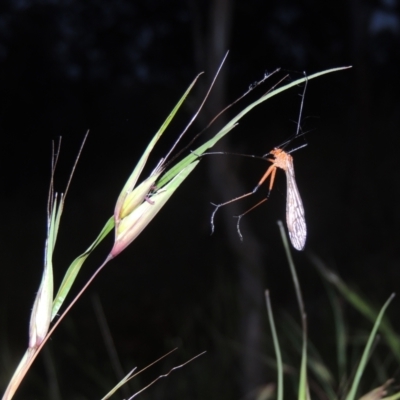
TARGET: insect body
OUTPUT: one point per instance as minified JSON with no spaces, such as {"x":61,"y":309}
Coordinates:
{"x":294,"y":206}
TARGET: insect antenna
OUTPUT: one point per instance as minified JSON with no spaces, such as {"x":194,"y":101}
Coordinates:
{"x":297,"y":148}
{"x":279,"y":159}
{"x":302,"y":104}
{"x":299,"y":133}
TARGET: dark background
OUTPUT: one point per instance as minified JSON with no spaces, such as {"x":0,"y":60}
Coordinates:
{"x":118,"y":68}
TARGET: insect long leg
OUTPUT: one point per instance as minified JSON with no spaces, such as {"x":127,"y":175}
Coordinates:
{"x":270,"y":171}
{"x":239,"y":217}
{"x":295,"y":219}
{"x":218,"y":206}
{"x":294,"y":207}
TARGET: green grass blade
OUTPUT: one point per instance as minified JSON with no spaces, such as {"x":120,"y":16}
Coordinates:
{"x":341,"y":333}
{"x":367,"y":350}
{"x":42,"y":307}
{"x":131,"y":182}
{"x":360,"y":304}
{"x":232,"y":123}
{"x":119,"y":385}
{"x":279,"y":364}
{"x":303,"y":387}
{"x":131,"y":375}
{"x":133,"y":224}
{"x":193,"y":156}
{"x":75,"y":267}
{"x":315,"y":364}
{"x":395,"y":396}
{"x":181,"y":169}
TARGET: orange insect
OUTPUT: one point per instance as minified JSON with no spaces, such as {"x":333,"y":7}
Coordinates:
{"x":295,"y":219}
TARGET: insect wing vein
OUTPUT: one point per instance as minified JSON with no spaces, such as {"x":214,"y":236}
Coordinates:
{"x":294,"y":211}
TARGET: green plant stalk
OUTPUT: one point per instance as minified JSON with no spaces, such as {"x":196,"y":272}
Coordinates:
{"x":41,"y":311}
{"x":395,"y":396}
{"x":314,"y":360}
{"x":303,"y":385}
{"x":131,"y":199}
{"x":278,"y":354}
{"x":341,"y":334}
{"x":167,"y":176}
{"x":127,"y":196}
{"x":75,"y":267}
{"x":233,"y":122}
{"x":360,"y":304}
{"x":30,"y":356}
{"x":363,"y":362}
{"x":131,"y":375}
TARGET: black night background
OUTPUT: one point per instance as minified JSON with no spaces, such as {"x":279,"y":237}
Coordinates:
{"x":117,"y":68}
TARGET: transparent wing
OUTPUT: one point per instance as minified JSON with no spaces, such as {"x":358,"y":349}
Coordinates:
{"x":295,"y":219}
